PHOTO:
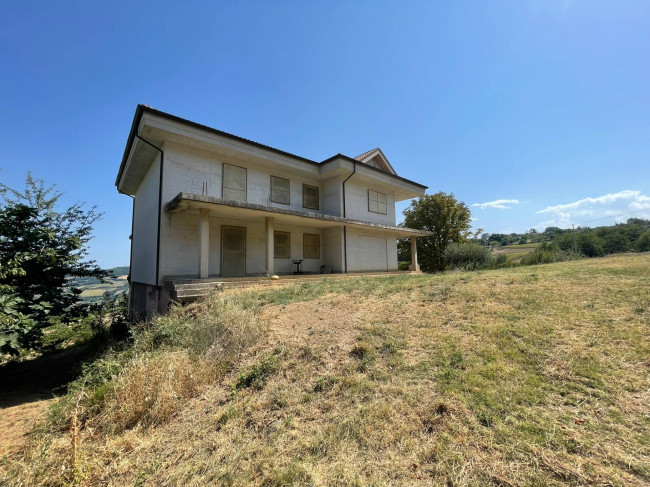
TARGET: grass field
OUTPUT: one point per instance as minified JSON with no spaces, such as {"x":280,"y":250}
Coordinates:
{"x":92,"y":292}
{"x":514,"y":253}
{"x":532,"y":376}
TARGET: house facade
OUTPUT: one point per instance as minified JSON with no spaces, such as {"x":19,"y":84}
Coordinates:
{"x":208,"y":204}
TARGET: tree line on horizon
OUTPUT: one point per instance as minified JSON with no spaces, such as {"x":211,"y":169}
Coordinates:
{"x":631,"y":236}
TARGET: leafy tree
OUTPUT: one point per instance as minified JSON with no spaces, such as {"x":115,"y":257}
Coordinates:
{"x":446,"y":217}
{"x":40,"y":249}
{"x":589,"y":244}
{"x":615,"y":242}
{"x":565,"y":241}
{"x":643,"y":242}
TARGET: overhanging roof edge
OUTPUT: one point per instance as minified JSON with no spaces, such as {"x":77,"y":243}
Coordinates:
{"x":211,"y":200}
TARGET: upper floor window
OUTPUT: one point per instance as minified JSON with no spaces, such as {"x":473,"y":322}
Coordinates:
{"x":234,"y":183}
{"x":280,"y":190}
{"x":281,"y":245}
{"x":376,"y":202}
{"x":310,"y":197}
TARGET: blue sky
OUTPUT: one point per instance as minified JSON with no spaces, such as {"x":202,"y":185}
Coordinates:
{"x":544,"y":104}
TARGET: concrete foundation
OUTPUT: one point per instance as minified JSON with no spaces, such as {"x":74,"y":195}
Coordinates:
{"x":148,"y":301}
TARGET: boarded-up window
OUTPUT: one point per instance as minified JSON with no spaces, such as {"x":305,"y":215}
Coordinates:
{"x":281,"y":245}
{"x":310,"y":197}
{"x":310,"y":246}
{"x":234,"y":183}
{"x":280,"y":190}
{"x":376,"y":202}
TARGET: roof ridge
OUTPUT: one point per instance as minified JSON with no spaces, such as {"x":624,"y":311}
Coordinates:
{"x":361,"y":156}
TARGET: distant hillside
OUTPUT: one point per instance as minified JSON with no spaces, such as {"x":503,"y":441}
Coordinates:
{"x":93,"y":289}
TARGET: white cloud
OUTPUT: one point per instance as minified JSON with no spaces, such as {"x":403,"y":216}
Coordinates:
{"x":600,"y":207}
{"x":501,"y":204}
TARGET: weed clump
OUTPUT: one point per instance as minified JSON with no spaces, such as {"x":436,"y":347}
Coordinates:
{"x":171,"y":360}
{"x":256,"y":376}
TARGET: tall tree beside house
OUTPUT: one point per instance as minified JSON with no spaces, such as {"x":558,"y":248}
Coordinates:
{"x":445,"y":216}
{"x":41,"y":248}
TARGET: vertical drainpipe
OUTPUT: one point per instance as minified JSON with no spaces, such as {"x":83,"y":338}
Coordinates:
{"x":131,"y":246}
{"x":345,"y":234}
{"x":160,"y":182}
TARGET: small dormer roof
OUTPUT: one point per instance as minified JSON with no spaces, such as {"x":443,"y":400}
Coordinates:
{"x":376,"y":158}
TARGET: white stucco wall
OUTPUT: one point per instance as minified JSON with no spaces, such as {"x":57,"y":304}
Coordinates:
{"x":332,"y":239}
{"x":186,"y":170}
{"x":356,"y":203}
{"x":331,"y":199}
{"x":145,"y":230}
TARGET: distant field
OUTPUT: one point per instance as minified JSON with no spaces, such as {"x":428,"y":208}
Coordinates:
{"x":514,"y":253}
{"x":93,"y":290}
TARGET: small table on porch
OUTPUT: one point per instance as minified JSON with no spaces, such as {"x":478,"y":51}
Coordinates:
{"x":298,"y":264}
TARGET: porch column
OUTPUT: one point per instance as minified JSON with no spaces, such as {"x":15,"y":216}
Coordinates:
{"x":414,"y":256}
{"x":204,"y":242}
{"x":270,"y":251}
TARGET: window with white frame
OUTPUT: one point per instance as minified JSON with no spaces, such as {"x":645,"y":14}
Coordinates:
{"x":280,"y":190}
{"x":377,"y":202}
{"x":234,"y":183}
{"x":310,"y":197}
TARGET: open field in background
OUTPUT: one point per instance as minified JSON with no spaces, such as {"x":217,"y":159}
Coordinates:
{"x":533,"y":376}
{"x":93,"y":290}
{"x":515,"y":253}
{"x":114,"y":287}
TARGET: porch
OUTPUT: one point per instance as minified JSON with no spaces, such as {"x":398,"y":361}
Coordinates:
{"x":343,"y":245}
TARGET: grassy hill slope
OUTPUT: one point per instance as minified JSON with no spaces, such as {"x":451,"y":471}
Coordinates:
{"x":526,"y":376}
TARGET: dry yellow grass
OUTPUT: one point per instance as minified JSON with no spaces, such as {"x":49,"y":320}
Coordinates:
{"x":527,"y":376}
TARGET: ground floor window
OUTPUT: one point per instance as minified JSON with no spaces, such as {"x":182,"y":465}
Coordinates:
{"x":310,"y":246}
{"x":282,"y":245}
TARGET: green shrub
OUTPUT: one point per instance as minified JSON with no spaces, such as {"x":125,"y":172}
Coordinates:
{"x":498,"y":261}
{"x":466,"y":256}
{"x":546,"y":253}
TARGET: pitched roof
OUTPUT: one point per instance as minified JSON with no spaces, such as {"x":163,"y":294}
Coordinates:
{"x":365,"y":154}
{"x":141,"y":109}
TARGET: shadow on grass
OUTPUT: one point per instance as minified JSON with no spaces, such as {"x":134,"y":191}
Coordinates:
{"x":43,"y":377}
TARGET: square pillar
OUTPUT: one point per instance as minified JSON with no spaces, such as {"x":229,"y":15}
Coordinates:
{"x":270,"y":246}
{"x":414,"y":255}
{"x":204,"y":242}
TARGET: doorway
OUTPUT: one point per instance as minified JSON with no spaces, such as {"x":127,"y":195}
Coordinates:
{"x":233,"y":251}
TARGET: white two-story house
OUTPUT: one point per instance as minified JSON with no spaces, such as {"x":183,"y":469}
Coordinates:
{"x":208,"y":204}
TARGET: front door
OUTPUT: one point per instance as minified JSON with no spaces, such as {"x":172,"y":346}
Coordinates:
{"x":233,"y":251}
